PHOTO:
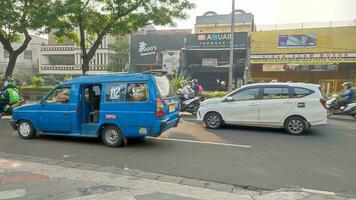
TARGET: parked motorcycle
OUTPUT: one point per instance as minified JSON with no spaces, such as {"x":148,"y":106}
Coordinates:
{"x":334,"y":109}
{"x":190,"y":103}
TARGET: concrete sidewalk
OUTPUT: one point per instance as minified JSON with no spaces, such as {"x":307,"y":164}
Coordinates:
{"x":25,"y":177}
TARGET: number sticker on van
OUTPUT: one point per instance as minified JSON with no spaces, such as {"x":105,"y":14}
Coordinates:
{"x":110,"y":116}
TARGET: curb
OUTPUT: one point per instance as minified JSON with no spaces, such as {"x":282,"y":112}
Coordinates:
{"x":222,"y":187}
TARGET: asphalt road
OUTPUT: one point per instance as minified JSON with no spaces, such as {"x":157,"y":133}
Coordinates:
{"x":323,"y":159}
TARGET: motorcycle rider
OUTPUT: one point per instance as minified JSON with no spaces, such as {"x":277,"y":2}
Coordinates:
{"x":348,"y":95}
{"x":197,"y":87}
{"x":10,"y":95}
{"x":186,"y":90}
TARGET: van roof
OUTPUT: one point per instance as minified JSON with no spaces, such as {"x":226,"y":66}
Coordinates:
{"x":107,"y":78}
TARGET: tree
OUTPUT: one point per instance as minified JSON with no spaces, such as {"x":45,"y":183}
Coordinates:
{"x":17,"y":19}
{"x":87,"y":22}
{"x":119,"y":59}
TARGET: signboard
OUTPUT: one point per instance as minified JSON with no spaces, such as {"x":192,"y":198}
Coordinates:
{"x":216,"y":40}
{"x":145,"y":49}
{"x":308,"y":58}
{"x":295,"y":41}
{"x":209,"y":62}
{"x":170,"y":61}
{"x":299,"y":68}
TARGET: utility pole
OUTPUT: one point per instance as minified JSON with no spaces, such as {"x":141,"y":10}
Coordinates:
{"x":231,"y":67}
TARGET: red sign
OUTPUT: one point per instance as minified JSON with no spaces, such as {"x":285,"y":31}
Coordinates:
{"x":110,"y":116}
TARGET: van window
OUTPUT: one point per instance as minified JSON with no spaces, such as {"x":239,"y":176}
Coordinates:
{"x":115,"y":92}
{"x":300,"y":92}
{"x":275,"y":93}
{"x":59,"y":95}
{"x":164,"y":87}
{"x":137,"y":92}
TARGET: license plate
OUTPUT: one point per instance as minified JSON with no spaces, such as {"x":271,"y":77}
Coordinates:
{"x":172,"y":107}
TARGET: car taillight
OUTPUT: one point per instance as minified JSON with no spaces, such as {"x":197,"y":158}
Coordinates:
{"x":160,"y":108}
{"x":323,"y":102}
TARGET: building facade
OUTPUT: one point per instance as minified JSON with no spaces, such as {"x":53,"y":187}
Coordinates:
{"x":65,"y":59}
{"x":27,"y":62}
{"x":325,"y":56}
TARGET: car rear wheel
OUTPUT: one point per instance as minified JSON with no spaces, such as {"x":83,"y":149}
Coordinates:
{"x":213,"y":120}
{"x":295,"y":126}
{"x":112,"y":136}
{"x":25,"y":129}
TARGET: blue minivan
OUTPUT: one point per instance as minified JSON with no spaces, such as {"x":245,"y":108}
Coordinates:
{"x":114,"y":107}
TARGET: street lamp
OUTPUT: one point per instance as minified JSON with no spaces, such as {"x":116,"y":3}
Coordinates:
{"x":232,"y":45}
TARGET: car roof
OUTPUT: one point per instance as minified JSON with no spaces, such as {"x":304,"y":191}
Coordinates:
{"x":107,"y":78}
{"x":305,"y":85}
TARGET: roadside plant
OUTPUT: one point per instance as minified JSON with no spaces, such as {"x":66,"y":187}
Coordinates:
{"x":37,"y":81}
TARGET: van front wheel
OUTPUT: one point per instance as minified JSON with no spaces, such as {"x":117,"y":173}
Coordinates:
{"x":112,"y":136}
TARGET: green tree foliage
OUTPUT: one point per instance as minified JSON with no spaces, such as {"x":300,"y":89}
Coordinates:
{"x":121,"y":56}
{"x":87,"y":22}
{"x":37,"y":81}
{"x":17,"y":19}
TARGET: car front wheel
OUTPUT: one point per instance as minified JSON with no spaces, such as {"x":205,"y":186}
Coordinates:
{"x":213,"y":120}
{"x":295,"y":126}
{"x":25,"y":130}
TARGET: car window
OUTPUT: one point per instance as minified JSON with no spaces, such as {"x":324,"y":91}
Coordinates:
{"x":248,"y":94}
{"x":164,"y":87}
{"x":275,"y":93}
{"x":137,"y":92}
{"x":300,"y":92}
{"x":59,"y":95}
{"x":115,"y":92}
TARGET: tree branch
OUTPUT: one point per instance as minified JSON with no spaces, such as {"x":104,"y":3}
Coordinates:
{"x":24,"y":45}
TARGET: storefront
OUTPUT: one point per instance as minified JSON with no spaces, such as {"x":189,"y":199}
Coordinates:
{"x":325,"y":56}
{"x":206,"y":58}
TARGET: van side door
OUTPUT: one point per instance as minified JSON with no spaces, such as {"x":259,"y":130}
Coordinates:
{"x":54,"y":112}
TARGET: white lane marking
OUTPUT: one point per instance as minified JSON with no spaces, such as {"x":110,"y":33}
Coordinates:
{"x":11,"y":194}
{"x":318,"y":192}
{"x":203,"y":142}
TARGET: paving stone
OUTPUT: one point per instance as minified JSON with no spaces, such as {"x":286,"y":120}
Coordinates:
{"x":220,"y":187}
{"x":145,"y":175}
{"x":162,"y":196}
{"x":193,"y":182}
{"x":106,"y":169}
{"x":323,"y":197}
{"x":68,"y":164}
{"x":170,"y":179}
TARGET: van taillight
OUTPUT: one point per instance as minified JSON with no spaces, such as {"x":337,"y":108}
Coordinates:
{"x":323,"y":102}
{"x":160,"y":108}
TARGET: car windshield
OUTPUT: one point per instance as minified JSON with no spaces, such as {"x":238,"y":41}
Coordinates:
{"x":165,"y":88}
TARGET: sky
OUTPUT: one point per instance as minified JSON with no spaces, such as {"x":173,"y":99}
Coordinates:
{"x":268,"y":12}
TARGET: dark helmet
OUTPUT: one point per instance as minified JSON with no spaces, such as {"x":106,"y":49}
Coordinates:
{"x":348,"y":85}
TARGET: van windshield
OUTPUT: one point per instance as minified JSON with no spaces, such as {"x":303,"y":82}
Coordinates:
{"x":165,"y":88}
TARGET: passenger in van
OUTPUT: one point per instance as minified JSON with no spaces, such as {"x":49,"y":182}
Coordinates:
{"x":137,"y":92}
{"x":62,"y":97}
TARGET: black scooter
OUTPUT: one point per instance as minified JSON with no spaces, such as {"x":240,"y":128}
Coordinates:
{"x":190,"y":104}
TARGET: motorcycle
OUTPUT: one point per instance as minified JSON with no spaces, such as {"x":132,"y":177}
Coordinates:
{"x":8,"y":109}
{"x":334,"y":109}
{"x":190,"y":103}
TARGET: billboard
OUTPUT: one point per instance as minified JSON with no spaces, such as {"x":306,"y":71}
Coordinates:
{"x":297,"y":41}
{"x":216,"y":40}
{"x":299,"y":68}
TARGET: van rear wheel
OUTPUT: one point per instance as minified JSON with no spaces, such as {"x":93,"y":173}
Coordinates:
{"x":112,"y":136}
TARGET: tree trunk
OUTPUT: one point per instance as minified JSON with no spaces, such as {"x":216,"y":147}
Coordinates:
{"x":85,"y":65}
{"x":11,"y":64}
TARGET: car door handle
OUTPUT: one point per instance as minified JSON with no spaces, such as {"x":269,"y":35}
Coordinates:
{"x":288,"y":102}
{"x":253,"y":104}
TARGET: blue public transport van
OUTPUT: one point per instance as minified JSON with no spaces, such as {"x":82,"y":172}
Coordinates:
{"x":114,"y":107}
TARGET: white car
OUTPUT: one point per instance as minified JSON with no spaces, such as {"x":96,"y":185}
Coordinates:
{"x":293,"y":106}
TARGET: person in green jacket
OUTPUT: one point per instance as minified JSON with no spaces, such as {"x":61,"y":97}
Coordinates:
{"x":10,"y":95}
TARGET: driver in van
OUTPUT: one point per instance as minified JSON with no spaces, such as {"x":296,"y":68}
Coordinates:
{"x":62,"y":96}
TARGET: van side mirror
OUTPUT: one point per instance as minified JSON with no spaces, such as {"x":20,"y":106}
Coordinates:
{"x":229,"y":99}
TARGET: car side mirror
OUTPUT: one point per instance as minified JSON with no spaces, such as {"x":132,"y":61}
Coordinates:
{"x":229,"y":99}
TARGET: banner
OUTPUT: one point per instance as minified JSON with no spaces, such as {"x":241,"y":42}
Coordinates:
{"x":216,"y":40}
{"x":299,"y":68}
{"x":210,"y":62}
{"x":306,"y":58}
{"x":170,"y":61}
{"x":295,"y":41}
